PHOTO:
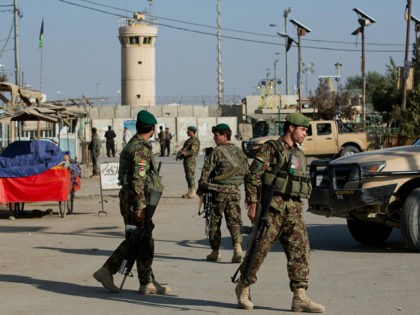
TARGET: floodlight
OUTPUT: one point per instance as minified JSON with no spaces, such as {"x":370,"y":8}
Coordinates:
{"x":364,"y":16}
{"x":300,"y":25}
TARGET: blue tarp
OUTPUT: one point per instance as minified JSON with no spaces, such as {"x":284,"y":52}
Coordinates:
{"x":26,"y":158}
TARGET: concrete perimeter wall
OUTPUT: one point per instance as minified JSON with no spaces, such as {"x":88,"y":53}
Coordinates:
{"x":173,"y":116}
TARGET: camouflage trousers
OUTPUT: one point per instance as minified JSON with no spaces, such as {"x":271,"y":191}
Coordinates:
{"x":189,"y":169}
{"x":145,"y":255}
{"x":287,"y":226}
{"x":227,"y":204}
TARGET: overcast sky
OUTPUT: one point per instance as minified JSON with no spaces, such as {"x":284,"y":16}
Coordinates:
{"x":81,"y":53}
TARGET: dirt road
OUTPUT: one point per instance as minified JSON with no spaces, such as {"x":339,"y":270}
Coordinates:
{"x":47,"y":263}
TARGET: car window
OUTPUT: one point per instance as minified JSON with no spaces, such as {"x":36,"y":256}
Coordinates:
{"x":323,"y":129}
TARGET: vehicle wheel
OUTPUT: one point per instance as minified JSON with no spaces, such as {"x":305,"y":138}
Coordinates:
{"x":70,"y":203}
{"x":368,"y":233}
{"x":410,"y":220}
{"x":348,"y":150}
{"x":62,"y":205}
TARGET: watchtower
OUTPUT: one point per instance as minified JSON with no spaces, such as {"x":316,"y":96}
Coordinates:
{"x":137,"y":36}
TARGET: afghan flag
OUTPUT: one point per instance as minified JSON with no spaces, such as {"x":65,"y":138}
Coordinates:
{"x":41,"y":34}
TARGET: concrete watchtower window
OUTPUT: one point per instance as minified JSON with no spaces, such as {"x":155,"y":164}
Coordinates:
{"x":134,"y":40}
{"x":147,"y":40}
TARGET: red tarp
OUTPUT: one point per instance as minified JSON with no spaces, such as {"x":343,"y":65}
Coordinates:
{"x":54,"y":184}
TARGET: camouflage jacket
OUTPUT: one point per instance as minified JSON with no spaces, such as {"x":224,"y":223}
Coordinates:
{"x":136,"y":160}
{"x":266,"y":157}
{"x":190,"y":148}
{"x":213,"y":166}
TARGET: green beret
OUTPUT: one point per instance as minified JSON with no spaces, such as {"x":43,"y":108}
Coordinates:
{"x":193,"y":128}
{"x":298,"y":119}
{"x":145,"y":117}
{"x":220,"y":127}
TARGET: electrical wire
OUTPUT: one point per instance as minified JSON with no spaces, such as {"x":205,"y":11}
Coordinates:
{"x":2,"y":50}
{"x":233,"y":30}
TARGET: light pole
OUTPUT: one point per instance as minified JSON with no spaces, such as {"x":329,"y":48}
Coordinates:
{"x":285,"y":15}
{"x":308,"y":69}
{"x":275,"y":76}
{"x":118,"y":97}
{"x":364,"y":20}
{"x":97,"y":86}
{"x":301,"y":31}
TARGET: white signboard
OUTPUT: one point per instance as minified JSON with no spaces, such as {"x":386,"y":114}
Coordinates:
{"x":109,"y":176}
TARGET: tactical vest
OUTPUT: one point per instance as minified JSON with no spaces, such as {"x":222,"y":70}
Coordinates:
{"x":230,"y":172}
{"x":126,"y":159}
{"x":289,"y":175}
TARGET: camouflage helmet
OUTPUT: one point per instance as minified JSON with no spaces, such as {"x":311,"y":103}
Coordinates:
{"x":298,"y":119}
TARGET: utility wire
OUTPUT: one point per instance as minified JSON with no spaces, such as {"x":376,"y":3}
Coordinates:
{"x":7,"y":40}
{"x":241,"y":31}
{"x":232,"y":30}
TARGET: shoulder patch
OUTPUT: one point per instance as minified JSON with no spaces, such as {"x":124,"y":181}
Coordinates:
{"x":142,"y":168}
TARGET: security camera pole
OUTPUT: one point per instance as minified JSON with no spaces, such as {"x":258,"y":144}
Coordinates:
{"x":406,"y":62}
{"x":301,"y":31}
{"x":364,"y":20}
{"x":417,"y":30}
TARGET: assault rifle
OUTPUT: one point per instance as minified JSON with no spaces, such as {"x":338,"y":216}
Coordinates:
{"x":266,"y":195}
{"x":179,"y":155}
{"x":136,"y":234}
{"x":207,"y":198}
{"x":205,"y":211}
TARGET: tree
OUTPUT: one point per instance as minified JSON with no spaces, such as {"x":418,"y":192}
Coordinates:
{"x":381,"y":90}
{"x":330,"y":104}
{"x":374,"y":82}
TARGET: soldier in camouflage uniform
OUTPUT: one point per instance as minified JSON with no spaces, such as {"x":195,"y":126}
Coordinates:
{"x":188,"y":154}
{"x":225,"y":168}
{"x":136,"y":161}
{"x":285,"y":164}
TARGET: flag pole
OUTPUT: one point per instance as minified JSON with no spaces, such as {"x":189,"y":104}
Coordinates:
{"x":41,"y":42}
{"x":40,"y":73}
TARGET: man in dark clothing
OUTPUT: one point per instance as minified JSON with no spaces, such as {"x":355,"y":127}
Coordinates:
{"x":110,"y":145}
{"x":168,"y":141}
{"x":95,"y":149}
{"x":162,"y":140}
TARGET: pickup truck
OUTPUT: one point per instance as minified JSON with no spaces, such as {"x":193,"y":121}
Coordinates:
{"x":375,"y":191}
{"x":325,"y":138}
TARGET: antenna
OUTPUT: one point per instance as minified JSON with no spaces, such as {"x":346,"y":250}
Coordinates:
{"x":150,"y":8}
